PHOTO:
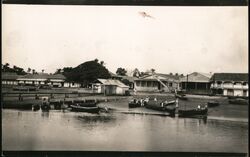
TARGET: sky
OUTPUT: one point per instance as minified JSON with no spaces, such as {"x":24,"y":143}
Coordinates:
{"x":170,"y":39}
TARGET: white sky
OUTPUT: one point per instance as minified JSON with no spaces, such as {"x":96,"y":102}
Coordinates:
{"x":177,"y":39}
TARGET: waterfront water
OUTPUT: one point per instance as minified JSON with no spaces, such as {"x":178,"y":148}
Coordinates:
{"x":57,"y":130}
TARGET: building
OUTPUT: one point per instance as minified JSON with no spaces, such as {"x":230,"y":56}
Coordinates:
{"x":230,"y":84}
{"x":154,"y":83}
{"x":196,"y":83}
{"x":9,"y":79}
{"x":109,"y":87}
{"x":56,"y":80}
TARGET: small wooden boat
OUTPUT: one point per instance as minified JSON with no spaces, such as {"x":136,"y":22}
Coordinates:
{"x":57,"y":104}
{"x":167,"y":103}
{"x":162,"y":108}
{"x":238,"y":101}
{"x":22,"y":106}
{"x":182,"y":97}
{"x":85,"y":103}
{"x":213,"y":103}
{"x":193,"y":112}
{"x":85,"y":109}
{"x":135,"y":103}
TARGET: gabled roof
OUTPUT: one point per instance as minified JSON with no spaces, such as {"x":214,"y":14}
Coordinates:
{"x":43,"y":76}
{"x":112,"y":82}
{"x":163,"y":77}
{"x":230,"y":77}
{"x":196,"y":77}
{"x":10,"y":76}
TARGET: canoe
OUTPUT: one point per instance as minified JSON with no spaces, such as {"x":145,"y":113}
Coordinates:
{"x":85,"y":109}
{"x":193,"y":112}
{"x":213,"y":103}
{"x":23,"y":106}
{"x":239,"y":101}
{"x":182,"y":97}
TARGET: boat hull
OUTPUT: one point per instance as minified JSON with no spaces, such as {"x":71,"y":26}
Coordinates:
{"x":85,"y":109}
{"x":192,"y":113}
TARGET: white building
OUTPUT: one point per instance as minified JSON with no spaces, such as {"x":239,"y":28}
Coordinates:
{"x":150,"y":83}
{"x":109,"y":87}
{"x":230,"y":84}
{"x":41,"y":79}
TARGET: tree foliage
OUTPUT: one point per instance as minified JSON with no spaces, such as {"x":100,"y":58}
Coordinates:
{"x":86,"y":72}
{"x":121,"y":71}
{"x":15,"y":69}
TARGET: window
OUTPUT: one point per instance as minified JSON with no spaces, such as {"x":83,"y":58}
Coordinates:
{"x":143,"y":83}
{"x":170,"y":84}
{"x":137,"y":83}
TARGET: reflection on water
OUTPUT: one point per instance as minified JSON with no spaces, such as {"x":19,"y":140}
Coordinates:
{"x":56,"y":130}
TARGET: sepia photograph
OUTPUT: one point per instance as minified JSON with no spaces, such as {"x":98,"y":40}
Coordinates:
{"x":105,"y":78}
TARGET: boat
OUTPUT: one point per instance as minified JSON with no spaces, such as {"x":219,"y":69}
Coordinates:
{"x":135,"y":103}
{"x":193,"y":112}
{"x":85,"y":103}
{"x":85,"y":109}
{"x":57,"y":104}
{"x":22,"y":106}
{"x":167,"y":103}
{"x":161,"y":107}
{"x":238,"y":101}
{"x":182,"y":97}
{"x":213,"y":103}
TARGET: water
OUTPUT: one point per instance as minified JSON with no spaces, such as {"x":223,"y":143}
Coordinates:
{"x":56,"y":130}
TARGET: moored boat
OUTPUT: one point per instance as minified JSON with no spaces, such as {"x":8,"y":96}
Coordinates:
{"x":161,"y":107}
{"x":193,"y":112}
{"x":22,"y":106}
{"x":135,"y":103}
{"x":213,"y":103}
{"x":238,"y":101}
{"x":85,"y":103}
{"x":85,"y":109}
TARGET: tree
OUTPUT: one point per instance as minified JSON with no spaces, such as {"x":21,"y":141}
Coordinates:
{"x":86,"y":72}
{"x":136,"y":73}
{"x":29,"y":70}
{"x":42,"y":70}
{"x":125,"y":81}
{"x":102,"y":63}
{"x":58,"y":71}
{"x":33,"y":71}
{"x":121,"y":71}
{"x":152,"y":71}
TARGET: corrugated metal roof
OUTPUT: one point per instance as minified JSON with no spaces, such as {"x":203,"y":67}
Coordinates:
{"x":196,"y":77}
{"x":230,"y":77}
{"x":43,"y":76}
{"x":10,"y":76}
{"x":112,"y":82}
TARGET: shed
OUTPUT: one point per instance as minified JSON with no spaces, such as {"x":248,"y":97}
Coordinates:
{"x":110,"y":87}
